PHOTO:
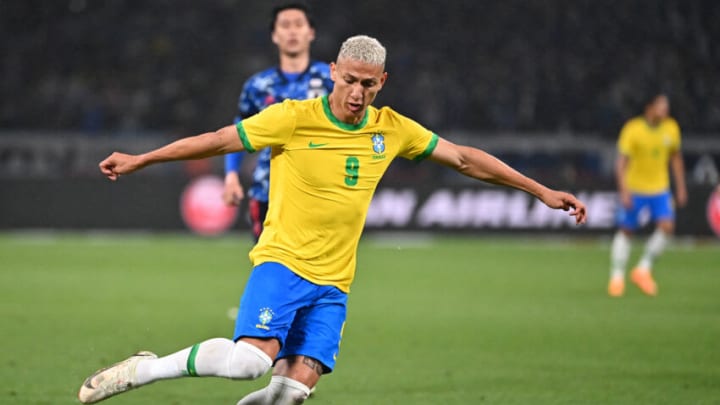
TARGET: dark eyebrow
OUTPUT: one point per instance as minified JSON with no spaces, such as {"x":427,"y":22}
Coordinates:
{"x":367,"y":82}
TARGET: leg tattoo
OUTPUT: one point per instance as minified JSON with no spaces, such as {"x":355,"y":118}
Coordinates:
{"x":313,"y":364}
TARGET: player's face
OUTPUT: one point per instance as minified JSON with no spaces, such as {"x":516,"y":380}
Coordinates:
{"x":662,"y":107}
{"x":293,"y":33}
{"x":356,"y":86}
{"x":659,"y":109}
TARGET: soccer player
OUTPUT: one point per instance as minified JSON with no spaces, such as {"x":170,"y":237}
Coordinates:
{"x":328,"y":155}
{"x":647,"y":145}
{"x":296,"y":77}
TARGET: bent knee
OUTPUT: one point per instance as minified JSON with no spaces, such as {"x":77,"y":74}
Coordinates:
{"x":248,"y":362}
{"x":250,"y":371}
{"x":666,"y":226}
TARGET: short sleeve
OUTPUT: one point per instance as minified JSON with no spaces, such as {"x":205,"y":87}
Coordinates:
{"x":624,"y":144}
{"x":676,"y":137}
{"x":272,"y":126}
{"x":418,"y":142}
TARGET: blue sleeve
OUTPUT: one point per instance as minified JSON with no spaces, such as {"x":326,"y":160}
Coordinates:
{"x":233,"y":162}
{"x":246,"y":108}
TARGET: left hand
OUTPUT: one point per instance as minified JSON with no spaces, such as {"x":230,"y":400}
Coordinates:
{"x":566,"y":202}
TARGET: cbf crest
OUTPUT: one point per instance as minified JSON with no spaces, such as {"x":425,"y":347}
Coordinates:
{"x":378,"y":144}
{"x":266,"y":315}
{"x":666,"y":140}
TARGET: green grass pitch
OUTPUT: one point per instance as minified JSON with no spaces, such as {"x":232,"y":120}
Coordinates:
{"x":441,"y":321}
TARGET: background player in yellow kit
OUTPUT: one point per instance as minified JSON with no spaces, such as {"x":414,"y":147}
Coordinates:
{"x":328,"y":155}
{"x":647,"y":145}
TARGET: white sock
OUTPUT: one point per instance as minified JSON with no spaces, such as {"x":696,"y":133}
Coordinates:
{"x":619,"y":254}
{"x":653,"y":248}
{"x":280,"y":391}
{"x":218,"y":357}
{"x":171,"y":366}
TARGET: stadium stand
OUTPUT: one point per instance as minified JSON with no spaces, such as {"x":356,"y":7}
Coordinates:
{"x":554,"y":66}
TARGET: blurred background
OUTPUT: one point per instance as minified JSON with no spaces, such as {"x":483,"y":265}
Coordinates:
{"x":91,"y":271}
{"x":544,"y":85}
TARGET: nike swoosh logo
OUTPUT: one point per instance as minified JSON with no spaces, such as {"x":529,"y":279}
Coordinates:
{"x":312,"y":145}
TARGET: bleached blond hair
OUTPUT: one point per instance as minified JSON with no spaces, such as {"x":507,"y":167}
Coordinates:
{"x":364,"y":49}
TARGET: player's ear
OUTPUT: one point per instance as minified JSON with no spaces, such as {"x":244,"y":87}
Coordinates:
{"x":312,"y":34}
{"x":383,"y":79}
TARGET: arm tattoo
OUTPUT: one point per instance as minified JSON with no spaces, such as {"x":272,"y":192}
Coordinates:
{"x":313,"y":364}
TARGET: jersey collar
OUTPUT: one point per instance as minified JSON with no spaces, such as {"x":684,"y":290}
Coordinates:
{"x":651,"y":126}
{"x":284,"y":78}
{"x":337,"y":122}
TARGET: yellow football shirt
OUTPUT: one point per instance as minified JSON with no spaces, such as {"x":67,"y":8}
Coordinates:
{"x":648,"y":149}
{"x":323,"y":174}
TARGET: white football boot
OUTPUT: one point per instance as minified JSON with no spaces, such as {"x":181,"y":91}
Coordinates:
{"x":109,"y":381}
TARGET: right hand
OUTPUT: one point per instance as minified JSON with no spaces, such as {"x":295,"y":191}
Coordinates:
{"x":120,"y":163}
{"x":233,"y":193}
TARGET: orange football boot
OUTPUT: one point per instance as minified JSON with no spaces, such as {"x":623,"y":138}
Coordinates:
{"x":616,"y":287}
{"x":644,"y":280}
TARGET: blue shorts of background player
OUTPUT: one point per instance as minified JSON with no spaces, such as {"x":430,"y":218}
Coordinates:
{"x":660,"y":207}
{"x":307,"y":319}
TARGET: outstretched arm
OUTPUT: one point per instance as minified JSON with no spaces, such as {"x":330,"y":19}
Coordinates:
{"x":483,"y":166}
{"x":621,"y":165}
{"x":678,"y":170}
{"x":222,"y":141}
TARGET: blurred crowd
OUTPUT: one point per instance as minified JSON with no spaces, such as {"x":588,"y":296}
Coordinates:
{"x":123,"y":66}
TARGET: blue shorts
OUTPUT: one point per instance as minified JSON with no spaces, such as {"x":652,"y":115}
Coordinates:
{"x":307,"y":319}
{"x":659,"y":206}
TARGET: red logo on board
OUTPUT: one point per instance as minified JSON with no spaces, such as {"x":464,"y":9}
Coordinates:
{"x":713,"y":212}
{"x":203,"y":209}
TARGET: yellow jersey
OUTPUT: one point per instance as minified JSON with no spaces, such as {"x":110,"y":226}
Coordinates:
{"x":323,"y":174}
{"x":648,"y":149}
